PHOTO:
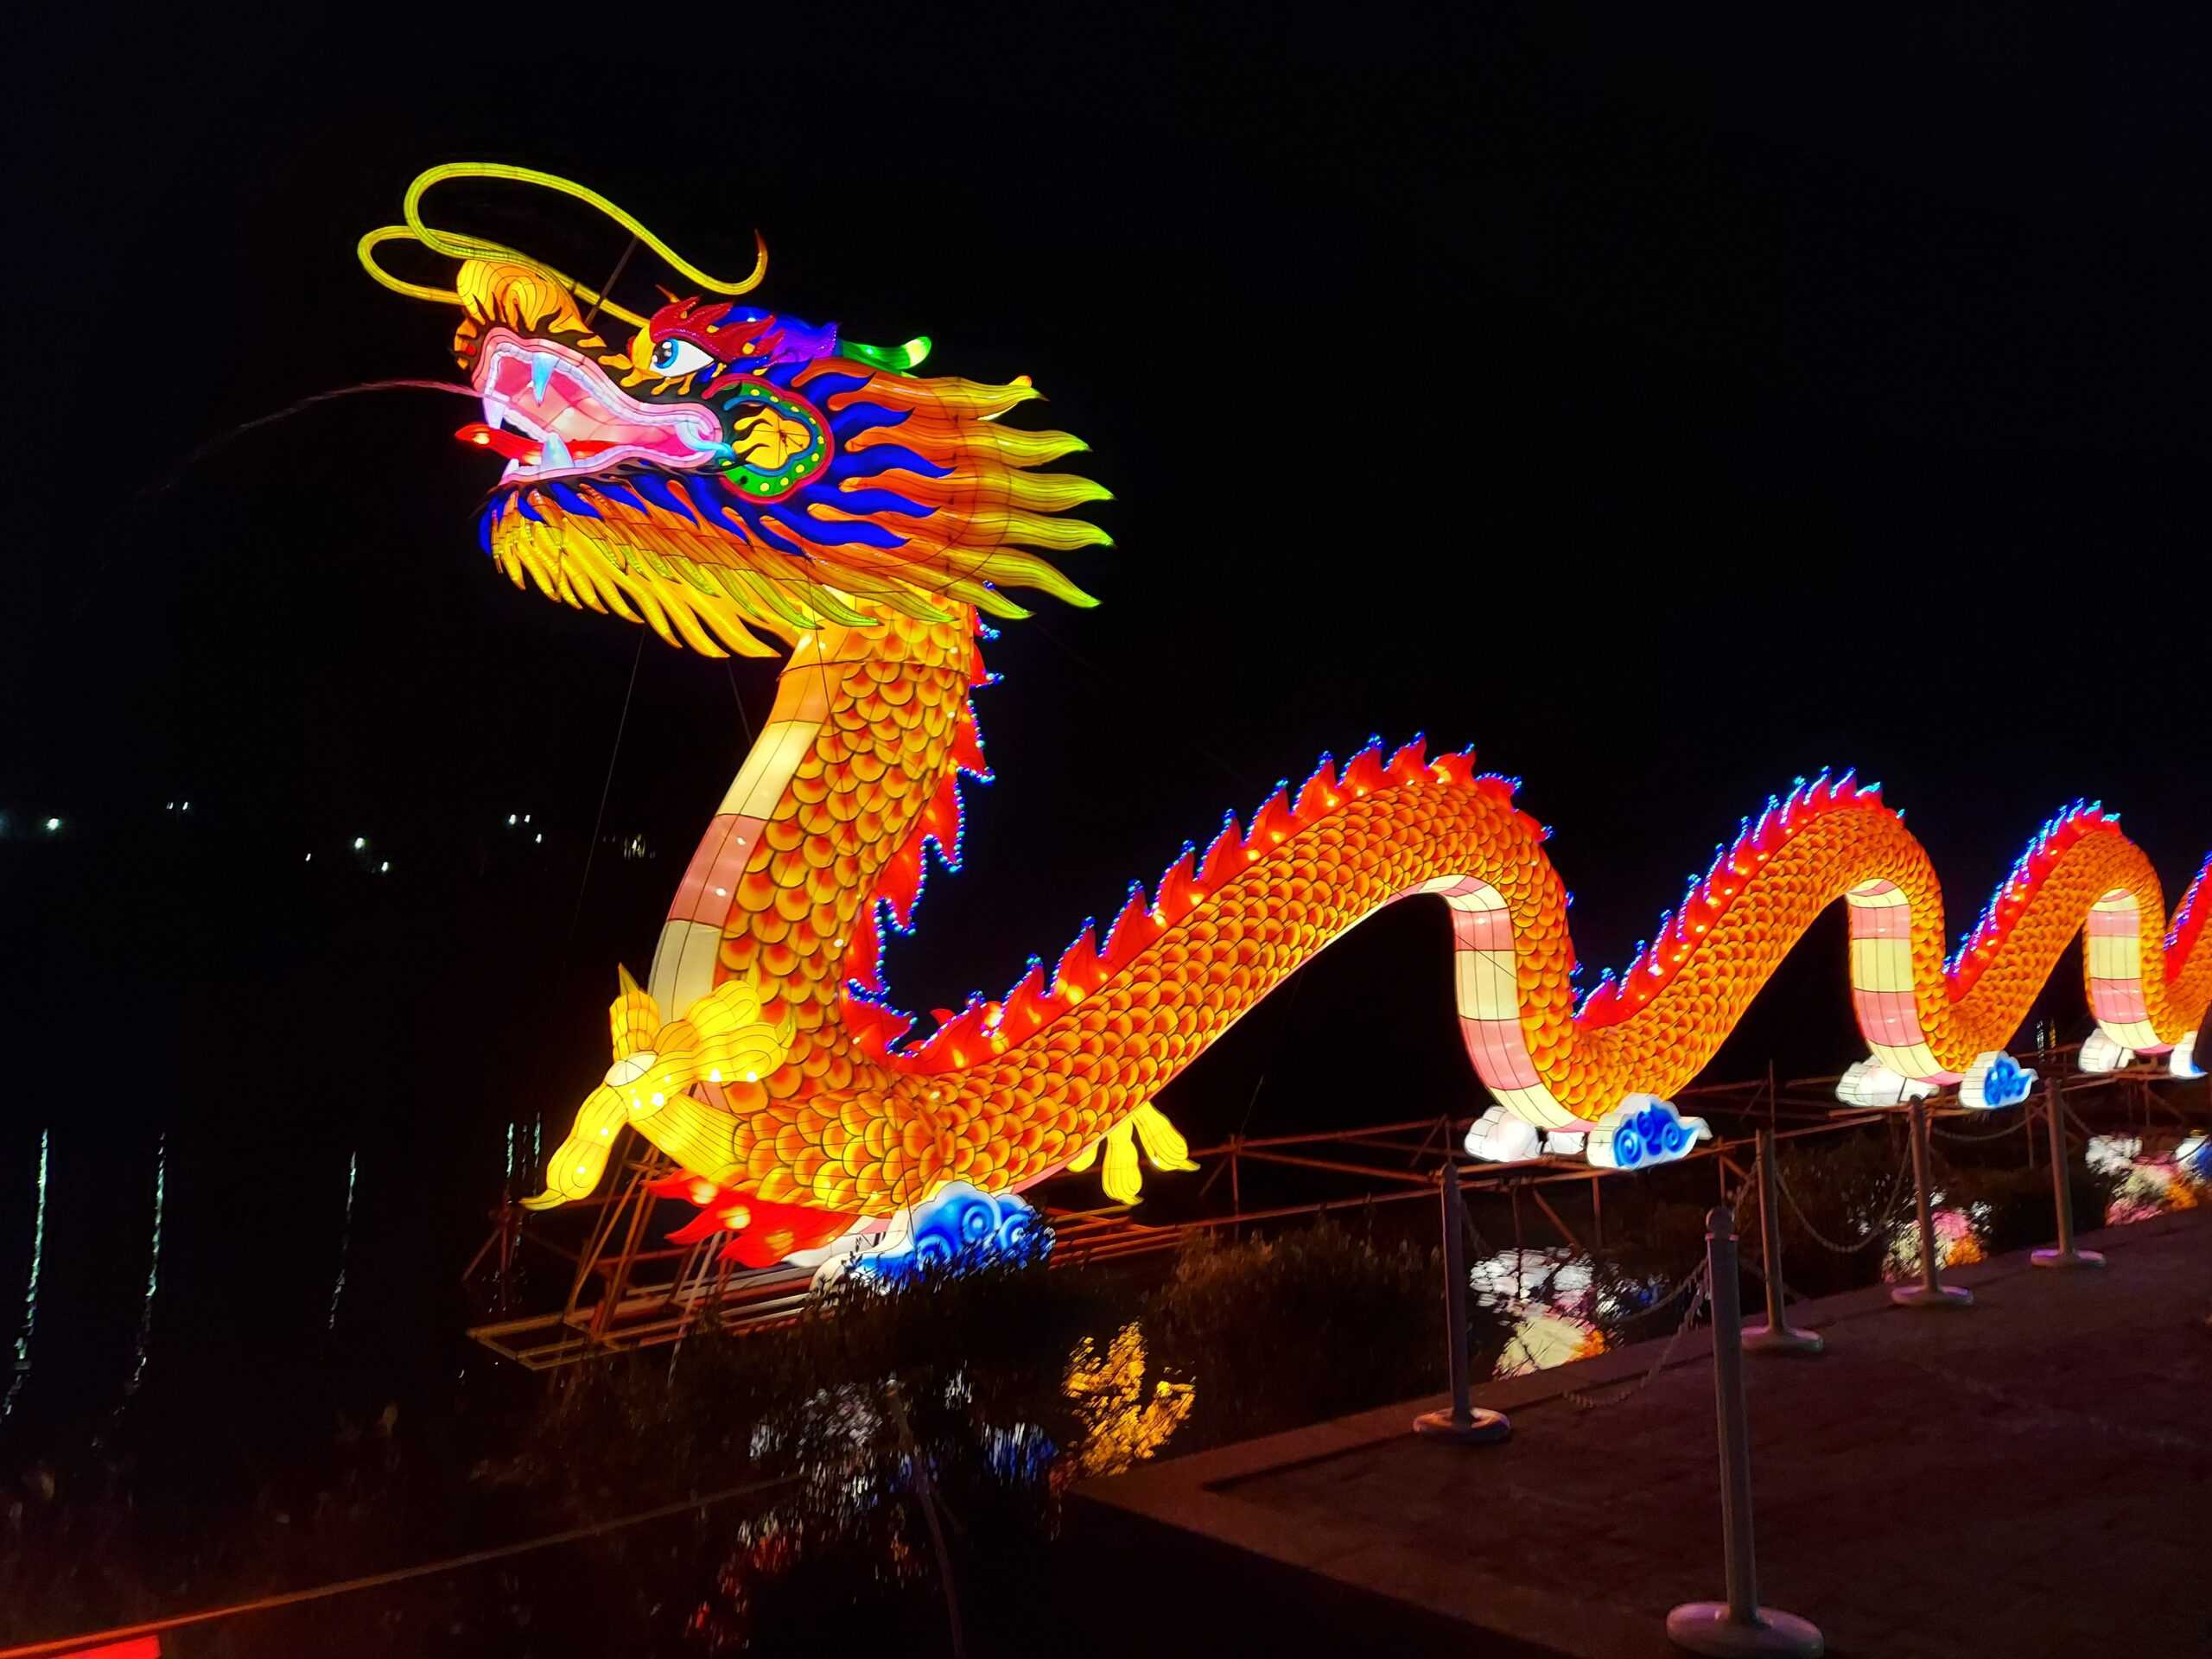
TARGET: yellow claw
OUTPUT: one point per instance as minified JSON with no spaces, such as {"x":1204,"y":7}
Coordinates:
{"x":580,"y":1160}
{"x":1163,"y":1142}
{"x":1163,"y":1148}
{"x":721,"y":1039}
{"x":1122,"y":1181}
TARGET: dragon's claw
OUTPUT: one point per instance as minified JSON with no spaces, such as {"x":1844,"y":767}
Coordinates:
{"x":1502,"y":1137}
{"x":1869,"y":1082}
{"x":1147,"y":1125}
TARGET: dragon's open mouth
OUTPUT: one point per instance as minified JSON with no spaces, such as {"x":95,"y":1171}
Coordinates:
{"x":552,"y":412}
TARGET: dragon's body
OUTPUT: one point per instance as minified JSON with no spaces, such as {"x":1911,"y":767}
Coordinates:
{"x":736,"y":473}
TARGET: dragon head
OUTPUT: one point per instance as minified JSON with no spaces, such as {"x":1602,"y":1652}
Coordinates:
{"x":719,"y":471}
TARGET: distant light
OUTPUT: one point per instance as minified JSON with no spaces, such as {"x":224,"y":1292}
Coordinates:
{"x":171,"y":807}
{"x":53,"y":824}
{"x":310,"y":859}
{"x":382,"y":867}
{"x":187,"y":807}
{"x":511,"y":819}
{"x":525,"y":818}
{"x":539,"y":837}
{"x":360,"y":843}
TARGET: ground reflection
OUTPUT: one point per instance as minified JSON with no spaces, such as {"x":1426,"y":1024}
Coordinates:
{"x":1959,"y":1231}
{"x":886,"y":1472}
{"x":1552,"y":1300}
{"x":2151,"y":1178}
{"x":1124,"y":1421}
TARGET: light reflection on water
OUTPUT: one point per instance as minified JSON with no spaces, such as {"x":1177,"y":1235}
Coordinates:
{"x":345,"y":1239}
{"x":30,"y":1292}
{"x":872,"y":1468}
{"x":1551,"y":1296}
{"x":1124,"y":1422}
{"x":153,"y":1270}
{"x":2167,"y":1171}
{"x":1959,"y":1231}
{"x":2150,"y":1181}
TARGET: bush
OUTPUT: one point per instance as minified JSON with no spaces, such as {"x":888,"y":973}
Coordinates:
{"x":1313,"y":1323}
{"x":1650,"y":1243}
{"x":2013,"y":1207}
{"x":1854,"y":1189}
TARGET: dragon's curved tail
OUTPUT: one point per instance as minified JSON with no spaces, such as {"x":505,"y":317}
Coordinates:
{"x":1040,"y":1081}
{"x":834,"y":1126}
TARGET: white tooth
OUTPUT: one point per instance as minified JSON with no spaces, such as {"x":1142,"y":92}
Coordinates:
{"x":495,"y":412}
{"x":541,"y":374}
{"x":555,"y":452}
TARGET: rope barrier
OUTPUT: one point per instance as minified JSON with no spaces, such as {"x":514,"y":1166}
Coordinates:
{"x":1698,"y":1280}
{"x":379,"y":1580}
{"x":1699,"y":1284}
{"x":1885,"y":1219}
{"x":2019,"y":1122}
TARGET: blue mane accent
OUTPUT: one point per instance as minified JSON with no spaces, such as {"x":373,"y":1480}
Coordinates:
{"x":885,"y":458}
{"x":656,"y":486}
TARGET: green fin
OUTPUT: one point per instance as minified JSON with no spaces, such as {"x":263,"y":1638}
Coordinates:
{"x":897,"y":359}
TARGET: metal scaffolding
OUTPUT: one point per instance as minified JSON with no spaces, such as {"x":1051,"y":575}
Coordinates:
{"x":628,"y":1290}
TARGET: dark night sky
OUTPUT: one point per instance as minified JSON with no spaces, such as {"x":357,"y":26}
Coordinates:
{"x":1667,"y":412}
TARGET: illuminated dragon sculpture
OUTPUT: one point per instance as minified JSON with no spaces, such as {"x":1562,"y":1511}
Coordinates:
{"x":728,"y":475}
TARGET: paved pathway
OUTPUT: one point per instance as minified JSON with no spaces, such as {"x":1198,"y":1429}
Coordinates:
{"x":2032,"y":1475}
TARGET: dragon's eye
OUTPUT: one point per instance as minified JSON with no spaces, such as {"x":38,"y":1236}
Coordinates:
{"x":674,"y":357}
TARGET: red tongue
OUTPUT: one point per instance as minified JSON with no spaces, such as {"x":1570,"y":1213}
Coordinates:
{"x":517,"y":446}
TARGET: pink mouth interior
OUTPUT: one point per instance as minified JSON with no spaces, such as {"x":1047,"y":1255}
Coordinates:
{"x":582,"y":407}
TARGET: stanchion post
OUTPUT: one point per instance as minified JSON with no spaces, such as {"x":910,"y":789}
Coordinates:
{"x":1738,"y":1626}
{"x":2061,"y":1191}
{"x":1464,"y":1423}
{"x":1776,"y":1335}
{"x":1931,"y":1291}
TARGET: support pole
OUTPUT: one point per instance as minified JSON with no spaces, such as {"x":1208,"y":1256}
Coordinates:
{"x":1931,"y":1291}
{"x":1776,"y":1335}
{"x":1236,"y":1187}
{"x":1738,"y":1626}
{"x":2061,"y":1191}
{"x":1465,"y":1423}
